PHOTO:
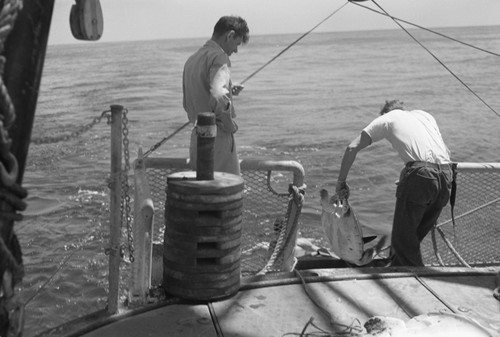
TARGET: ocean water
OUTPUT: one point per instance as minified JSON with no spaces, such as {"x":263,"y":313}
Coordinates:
{"x":305,"y":106}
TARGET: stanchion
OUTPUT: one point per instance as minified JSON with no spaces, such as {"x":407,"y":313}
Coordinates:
{"x":114,"y":205}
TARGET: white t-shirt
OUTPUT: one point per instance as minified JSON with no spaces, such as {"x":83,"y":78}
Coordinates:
{"x":413,"y":134}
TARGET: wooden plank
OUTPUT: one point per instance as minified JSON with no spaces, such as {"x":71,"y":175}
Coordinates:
{"x":471,"y":296}
{"x":173,"y":320}
{"x":275,"y":311}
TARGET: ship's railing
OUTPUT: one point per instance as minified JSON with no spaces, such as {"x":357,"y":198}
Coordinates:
{"x":269,"y":225}
{"x":474,"y":239}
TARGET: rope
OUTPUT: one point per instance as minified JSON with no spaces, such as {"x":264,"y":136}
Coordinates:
{"x":10,"y":259}
{"x":8,"y":16}
{"x":438,"y":60}
{"x":435,"y":294}
{"x":435,"y":246}
{"x":11,"y":264}
{"x":292,"y":44}
{"x":288,"y":229}
{"x":353,"y":329}
{"x":77,"y":247}
{"x":66,"y":259}
{"x":452,"y":249}
{"x":470,"y":212}
{"x":325,"y":333}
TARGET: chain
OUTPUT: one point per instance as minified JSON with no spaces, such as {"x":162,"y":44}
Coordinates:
{"x":125,"y":203}
{"x":125,"y":200}
{"x":74,"y":134}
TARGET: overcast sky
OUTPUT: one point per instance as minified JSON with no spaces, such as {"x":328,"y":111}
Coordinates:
{"x":160,"y":19}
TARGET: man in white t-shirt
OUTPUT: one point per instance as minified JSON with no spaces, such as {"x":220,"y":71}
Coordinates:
{"x":425,"y":181}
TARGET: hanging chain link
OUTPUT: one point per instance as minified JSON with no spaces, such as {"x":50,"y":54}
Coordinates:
{"x":74,"y":134}
{"x":125,"y":187}
{"x":125,"y":200}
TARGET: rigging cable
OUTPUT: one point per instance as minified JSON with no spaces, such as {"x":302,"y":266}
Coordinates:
{"x":160,"y":143}
{"x":293,"y":43}
{"x":61,"y":265}
{"x":42,"y":287}
{"x":430,"y":31}
{"x":438,"y":60}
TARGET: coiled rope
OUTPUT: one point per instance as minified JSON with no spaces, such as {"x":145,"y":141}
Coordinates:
{"x":11,"y":194}
{"x":433,"y":55}
{"x":353,"y":329}
{"x":287,"y":231}
{"x":161,"y":142}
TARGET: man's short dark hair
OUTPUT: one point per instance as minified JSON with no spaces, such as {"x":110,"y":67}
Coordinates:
{"x":235,"y":23}
{"x":392,"y":105}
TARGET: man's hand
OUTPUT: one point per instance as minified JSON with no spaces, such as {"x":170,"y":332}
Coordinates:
{"x":342,"y":190}
{"x":236,"y":89}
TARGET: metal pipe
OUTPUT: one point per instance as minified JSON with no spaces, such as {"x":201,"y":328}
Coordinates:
{"x":206,"y":130}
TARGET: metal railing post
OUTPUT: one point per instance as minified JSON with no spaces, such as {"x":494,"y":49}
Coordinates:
{"x":143,"y":235}
{"x":115,"y":210}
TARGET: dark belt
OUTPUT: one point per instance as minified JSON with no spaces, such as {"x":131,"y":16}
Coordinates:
{"x":428,"y":164}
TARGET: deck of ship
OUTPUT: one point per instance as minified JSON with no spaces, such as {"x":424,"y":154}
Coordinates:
{"x":282,"y":304}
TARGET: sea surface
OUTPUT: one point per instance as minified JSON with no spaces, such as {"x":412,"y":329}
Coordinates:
{"x":305,"y":106}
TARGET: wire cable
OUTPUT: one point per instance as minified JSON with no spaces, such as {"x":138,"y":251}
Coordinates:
{"x":161,"y":142}
{"x":429,"y":30}
{"x":292,"y":44}
{"x":438,"y":60}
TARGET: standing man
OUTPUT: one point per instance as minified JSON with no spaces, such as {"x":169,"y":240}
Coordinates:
{"x":425,"y":181}
{"x":207,"y":87}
